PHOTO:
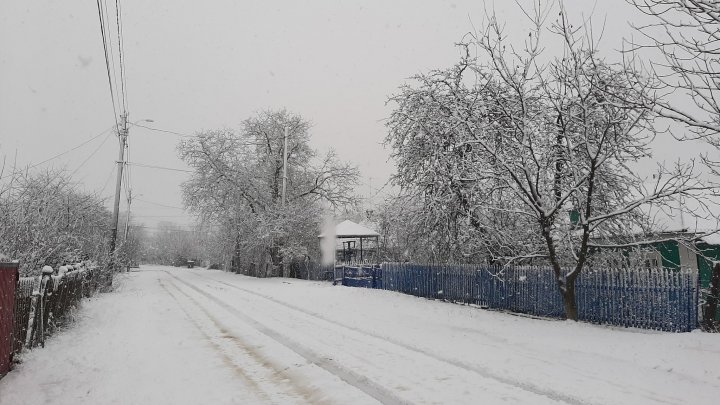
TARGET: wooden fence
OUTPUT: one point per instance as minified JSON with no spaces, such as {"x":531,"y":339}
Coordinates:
{"x":659,"y":299}
{"x":42,"y":304}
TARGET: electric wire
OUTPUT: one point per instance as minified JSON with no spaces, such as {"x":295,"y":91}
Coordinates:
{"x":107,"y":180}
{"x":157,"y":228}
{"x":111,"y":50}
{"x":91,"y":154}
{"x":159,"y":167}
{"x":121,"y":52}
{"x":126,"y":173}
{"x":167,"y":131}
{"x":107,"y":61}
{"x":158,"y":204}
{"x":160,"y":216}
{"x":182,"y":135}
{"x":65,"y":152}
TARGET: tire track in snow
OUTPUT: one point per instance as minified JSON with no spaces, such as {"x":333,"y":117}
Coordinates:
{"x":482,"y":371}
{"x":364,"y":384}
{"x":226,"y":359}
{"x":279,"y":374}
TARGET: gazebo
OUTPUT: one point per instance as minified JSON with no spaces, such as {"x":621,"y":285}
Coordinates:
{"x":352,"y":235}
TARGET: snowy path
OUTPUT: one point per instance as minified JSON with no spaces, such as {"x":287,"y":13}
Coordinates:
{"x":173,"y":336}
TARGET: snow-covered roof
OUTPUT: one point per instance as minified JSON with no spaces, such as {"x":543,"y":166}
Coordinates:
{"x":350,"y":229}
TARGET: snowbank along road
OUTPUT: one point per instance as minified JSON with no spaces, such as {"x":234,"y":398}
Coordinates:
{"x":177,"y":336}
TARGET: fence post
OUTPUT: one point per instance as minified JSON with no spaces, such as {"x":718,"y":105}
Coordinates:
{"x":8,"y":283}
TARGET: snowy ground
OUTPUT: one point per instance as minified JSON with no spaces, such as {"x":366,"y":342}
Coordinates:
{"x":174,"y":336}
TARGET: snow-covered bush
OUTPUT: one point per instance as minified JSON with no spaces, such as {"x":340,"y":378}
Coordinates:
{"x":46,"y":220}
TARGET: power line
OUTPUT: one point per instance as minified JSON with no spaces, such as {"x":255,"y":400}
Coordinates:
{"x":160,"y":205}
{"x":126,"y":173}
{"x":167,"y":131}
{"x":155,"y":228}
{"x":183,"y":135}
{"x":162,"y":216}
{"x":66,"y":152}
{"x":159,"y":167}
{"x":110,"y":49}
{"x":91,"y":155}
{"x":121,"y":56}
{"x":107,"y":60}
{"x":107,"y":181}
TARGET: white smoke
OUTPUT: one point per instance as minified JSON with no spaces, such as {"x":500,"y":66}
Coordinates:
{"x":327,"y":244}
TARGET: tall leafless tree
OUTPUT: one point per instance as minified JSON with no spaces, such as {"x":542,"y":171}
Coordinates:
{"x":687,"y":35}
{"x":512,"y":141}
{"x":237,"y":185}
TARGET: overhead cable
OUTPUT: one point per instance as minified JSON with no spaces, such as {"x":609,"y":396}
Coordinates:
{"x":159,"y":167}
{"x":65,"y":152}
{"x":107,"y":60}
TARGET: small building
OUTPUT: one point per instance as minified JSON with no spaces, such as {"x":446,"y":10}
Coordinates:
{"x":355,"y":243}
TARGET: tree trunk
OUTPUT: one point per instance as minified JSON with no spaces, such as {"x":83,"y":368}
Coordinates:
{"x":235,"y":260}
{"x":569,"y":299}
{"x":566,"y":285}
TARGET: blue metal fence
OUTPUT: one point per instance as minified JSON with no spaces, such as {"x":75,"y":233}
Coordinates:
{"x":659,"y":299}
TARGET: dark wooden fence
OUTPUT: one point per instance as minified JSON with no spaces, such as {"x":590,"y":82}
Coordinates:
{"x":309,"y":270}
{"x":42,"y":304}
{"x":659,"y":299}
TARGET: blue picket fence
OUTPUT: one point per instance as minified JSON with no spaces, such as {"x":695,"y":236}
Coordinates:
{"x":660,"y":299}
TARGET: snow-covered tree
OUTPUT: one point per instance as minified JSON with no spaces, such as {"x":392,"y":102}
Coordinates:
{"x":687,"y":35}
{"x":172,"y":244}
{"x":46,"y":220}
{"x":518,"y":155}
{"x":237,"y":185}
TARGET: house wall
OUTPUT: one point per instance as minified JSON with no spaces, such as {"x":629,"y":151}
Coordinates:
{"x":670,"y":254}
{"x":676,"y":255}
{"x":688,"y":257}
{"x":708,"y":254}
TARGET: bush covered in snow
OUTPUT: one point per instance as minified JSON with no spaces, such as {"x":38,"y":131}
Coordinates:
{"x":46,"y":220}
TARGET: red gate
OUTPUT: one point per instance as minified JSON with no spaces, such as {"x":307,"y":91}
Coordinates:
{"x":8,"y":282}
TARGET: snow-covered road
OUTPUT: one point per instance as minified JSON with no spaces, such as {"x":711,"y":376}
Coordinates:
{"x":177,"y":336}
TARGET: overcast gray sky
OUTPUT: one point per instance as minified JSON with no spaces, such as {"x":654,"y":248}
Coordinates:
{"x":202,"y":65}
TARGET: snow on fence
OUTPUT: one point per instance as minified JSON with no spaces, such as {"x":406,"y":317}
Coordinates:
{"x":659,"y":299}
{"x":23,"y":307}
{"x":43,"y":302}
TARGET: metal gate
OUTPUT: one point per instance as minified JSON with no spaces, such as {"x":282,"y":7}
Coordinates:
{"x":8,"y":282}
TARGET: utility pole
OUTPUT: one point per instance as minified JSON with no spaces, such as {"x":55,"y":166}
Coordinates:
{"x":284,"y":185}
{"x":127,"y":220}
{"x":122,"y":135}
